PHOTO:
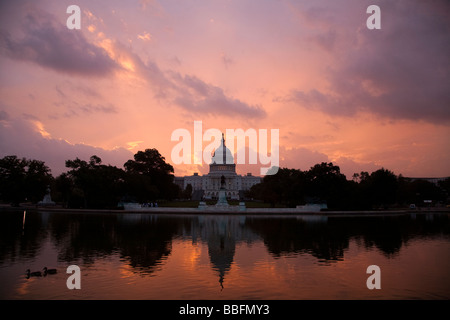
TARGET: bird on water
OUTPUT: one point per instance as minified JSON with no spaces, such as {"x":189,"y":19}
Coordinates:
{"x":49,"y":271}
{"x":33,"y":274}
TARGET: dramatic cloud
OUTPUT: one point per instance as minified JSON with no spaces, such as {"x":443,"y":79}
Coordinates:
{"x":50,"y":44}
{"x":401,"y":71}
{"x":26,"y":137}
{"x":198,"y":97}
{"x":136,"y":71}
{"x":185,"y":91}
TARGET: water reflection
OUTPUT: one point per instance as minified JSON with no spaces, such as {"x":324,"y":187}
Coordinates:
{"x":221,"y":233}
{"x":144,"y":241}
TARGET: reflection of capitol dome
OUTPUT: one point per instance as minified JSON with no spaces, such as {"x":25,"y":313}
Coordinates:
{"x":221,"y":233}
{"x":221,"y":253}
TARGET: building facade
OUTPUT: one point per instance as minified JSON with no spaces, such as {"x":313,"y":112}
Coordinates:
{"x":207,"y":187}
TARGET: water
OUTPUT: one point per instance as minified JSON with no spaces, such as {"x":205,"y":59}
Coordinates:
{"x":171,"y":257}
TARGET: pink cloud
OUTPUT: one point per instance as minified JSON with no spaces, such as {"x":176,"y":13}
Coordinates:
{"x":52,"y":45}
{"x":401,"y":71}
{"x":24,"y":137}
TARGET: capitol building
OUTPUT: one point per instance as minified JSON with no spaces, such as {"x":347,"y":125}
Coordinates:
{"x":207,"y":187}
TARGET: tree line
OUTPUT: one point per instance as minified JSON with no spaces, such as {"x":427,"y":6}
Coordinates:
{"x":89,"y":184}
{"x":149,"y":178}
{"x":324,"y":183}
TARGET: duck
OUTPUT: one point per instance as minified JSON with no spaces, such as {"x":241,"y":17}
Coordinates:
{"x":49,"y":271}
{"x":33,"y":274}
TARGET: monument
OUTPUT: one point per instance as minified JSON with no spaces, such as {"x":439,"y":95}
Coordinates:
{"x":222,"y":201}
{"x":47,"y":201}
{"x":222,"y":166}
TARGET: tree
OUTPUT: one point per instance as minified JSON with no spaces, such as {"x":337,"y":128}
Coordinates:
{"x":382,"y":187}
{"x":286,"y":187}
{"x":326,"y":183}
{"x":149,"y":177}
{"x":361,"y":197}
{"x":445,"y":188}
{"x":322,"y":183}
{"x":416,"y":191}
{"x":95,"y":184}
{"x":37,"y":180}
{"x":149,"y":162}
{"x":12,"y":183}
{"x":63,"y":189}
{"x":187,"y":193}
{"x":23,"y":179}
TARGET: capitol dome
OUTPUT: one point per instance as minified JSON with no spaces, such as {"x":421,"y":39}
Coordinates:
{"x":222,"y":161}
{"x":222,"y":155}
{"x":222,"y":176}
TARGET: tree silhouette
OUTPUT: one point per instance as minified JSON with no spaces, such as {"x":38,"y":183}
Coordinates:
{"x":382,"y":187}
{"x":23,"y":179}
{"x":149,"y":177}
{"x":96,"y":185}
{"x":326,"y":183}
{"x":187,"y":193}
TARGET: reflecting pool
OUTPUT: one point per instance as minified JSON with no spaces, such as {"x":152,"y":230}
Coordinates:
{"x":171,"y":257}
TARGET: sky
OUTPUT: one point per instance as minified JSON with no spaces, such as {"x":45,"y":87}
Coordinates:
{"x":136,"y":71}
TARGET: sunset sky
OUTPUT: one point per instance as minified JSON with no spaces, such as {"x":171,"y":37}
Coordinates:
{"x":138,"y":70}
